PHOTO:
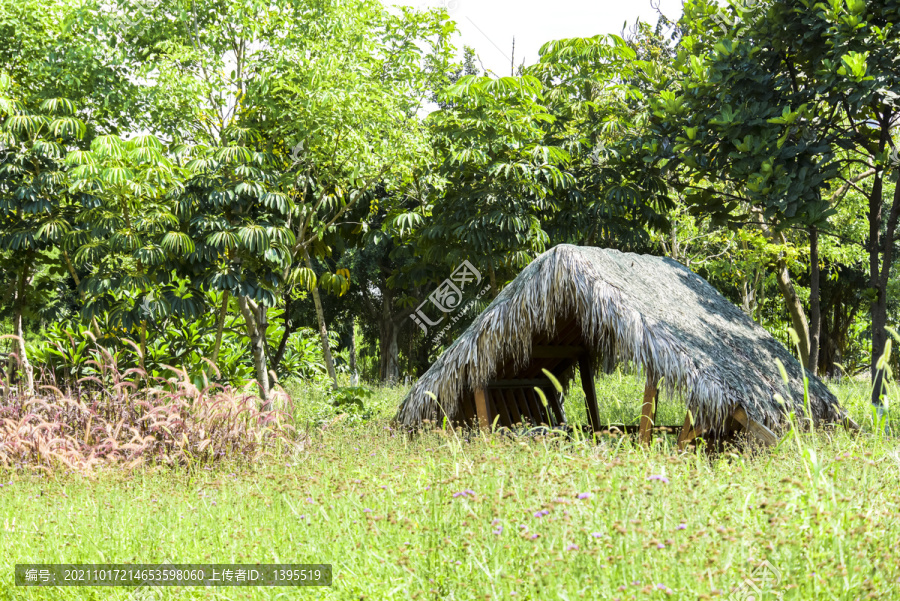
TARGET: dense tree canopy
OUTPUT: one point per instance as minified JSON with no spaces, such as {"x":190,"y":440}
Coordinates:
{"x":277,"y":187}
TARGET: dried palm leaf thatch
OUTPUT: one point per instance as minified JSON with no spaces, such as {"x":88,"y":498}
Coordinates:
{"x":650,"y":311}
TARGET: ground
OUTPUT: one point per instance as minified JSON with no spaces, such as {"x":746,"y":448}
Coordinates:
{"x":440,"y":516}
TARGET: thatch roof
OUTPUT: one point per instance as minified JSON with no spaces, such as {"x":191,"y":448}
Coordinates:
{"x":650,"y":311}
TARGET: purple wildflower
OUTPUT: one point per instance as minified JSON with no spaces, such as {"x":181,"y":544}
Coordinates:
{"x":534,"y":536}
{"x":499,"y":530}
{"x":659,"y":477}
{"x":681,"y":527}
{"x":367,"y":510}
{"x":584,"y":495}
{"x":596,"y":534}
{"x":541,"y":513}
{"x":660,"y":546}
{"x":572,"y":548}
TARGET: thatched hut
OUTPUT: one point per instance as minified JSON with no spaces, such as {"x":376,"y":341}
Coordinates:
{"x":593,"y":308}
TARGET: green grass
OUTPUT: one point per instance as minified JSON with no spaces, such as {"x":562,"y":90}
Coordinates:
{"x":386,"y":511}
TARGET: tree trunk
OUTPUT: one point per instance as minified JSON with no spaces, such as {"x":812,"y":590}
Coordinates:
{"x":323,"y":331}
{"x":19,"y":331}
{"x":390,"y":355}
{"x":143,"y":361}
{"x":262,"y":322}
{"x":220,"y":327}
{"x":495,"y":290}
{"x":879,"y":339}
{"x":880,"y":262}
{"x":815,"y":311}
{"x":94,"y":325}
{"x":786,"y":286}
{"x":257,"y":349}
{"x":354,"y":373}
{"x":288,"y":330}
{"x":794,"y":307}
{"x":389,"y":351}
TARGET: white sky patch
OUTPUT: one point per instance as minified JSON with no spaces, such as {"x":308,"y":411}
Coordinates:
{"x":490,"y":25}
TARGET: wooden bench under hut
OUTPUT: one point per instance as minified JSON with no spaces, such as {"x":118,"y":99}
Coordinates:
{"x":592,"y":308}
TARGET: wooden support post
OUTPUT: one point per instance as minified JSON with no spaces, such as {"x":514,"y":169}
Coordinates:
{"x":481,"y":408}
{"x":851,"y":425}
{"x":590,"y":391}
{"x":689,"y":431}
{"x":557,"y":409}
{"x":759,"y":431}
{"x":648,"y":413}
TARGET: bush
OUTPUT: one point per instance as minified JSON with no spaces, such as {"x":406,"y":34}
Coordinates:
{"x":107,"y":420}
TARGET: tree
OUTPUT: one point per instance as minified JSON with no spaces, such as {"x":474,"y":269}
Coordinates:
{"x":499,"y":175}
{"x":129,"y":233}
{"x":235,"y":218}
{"x":36,"y":211}
{"x":848,"y":54}
{"x":312,"y":100}
{"x":595,"y":92}
{"x":368,"y":137}
{"x":784,"y":103}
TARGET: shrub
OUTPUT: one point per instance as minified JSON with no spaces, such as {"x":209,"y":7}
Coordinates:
{"x":106,"y":419}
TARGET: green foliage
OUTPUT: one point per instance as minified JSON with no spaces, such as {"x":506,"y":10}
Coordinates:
{"x":499,"y":172}
{"x":235,"y":217}
{"x":68,"y":352}
{"x":128,"y":234}
{"x":352,"y":400}
{"x":154,"y":156}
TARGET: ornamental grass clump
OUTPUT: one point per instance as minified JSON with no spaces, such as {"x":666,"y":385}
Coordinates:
{"x":130,"y":419}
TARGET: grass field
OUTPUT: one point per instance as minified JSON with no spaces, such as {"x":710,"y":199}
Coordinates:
{"x":488,"y":517}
